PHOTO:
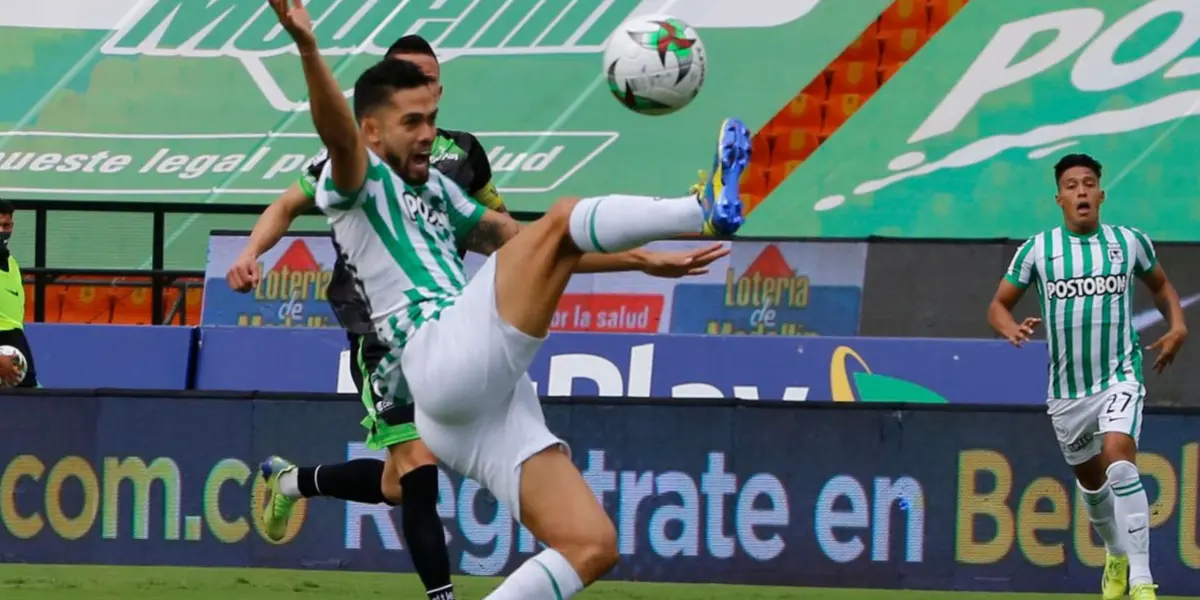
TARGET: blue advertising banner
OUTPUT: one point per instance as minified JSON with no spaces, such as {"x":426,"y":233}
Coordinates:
{"x":111,"y":356}
{"x":277,"y":359}
{"x":761,"y":288}
{"x":851,"y":496}
{"x":282,"y":359}
{"x":674,"y":366}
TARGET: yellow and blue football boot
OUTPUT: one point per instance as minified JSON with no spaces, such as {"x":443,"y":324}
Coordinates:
{"x":719,"y":198}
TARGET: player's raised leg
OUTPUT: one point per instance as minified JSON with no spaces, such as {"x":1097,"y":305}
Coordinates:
{"x":533,"y":268}
{"x":357,"y":480}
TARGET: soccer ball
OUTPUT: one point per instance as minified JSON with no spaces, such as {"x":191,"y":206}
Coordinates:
{"x":655,"y":64}
{"x":18,"y":361}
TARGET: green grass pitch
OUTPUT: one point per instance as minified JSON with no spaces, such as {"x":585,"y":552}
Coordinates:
{"x":53,"y":582}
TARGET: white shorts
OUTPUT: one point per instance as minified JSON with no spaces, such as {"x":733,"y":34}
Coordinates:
{"x":476,"y":407}
{"x":1080,"y":424}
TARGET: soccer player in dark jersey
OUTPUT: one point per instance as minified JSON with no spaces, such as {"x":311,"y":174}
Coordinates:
{"x":410,"y":466}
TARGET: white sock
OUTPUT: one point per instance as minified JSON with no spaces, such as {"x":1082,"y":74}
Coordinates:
{"x":547,"y":576}
{"x":1099,"y":506}
{"x":289,"y":483}
{"x":618,"y":223}
{"x":1132,"y":511}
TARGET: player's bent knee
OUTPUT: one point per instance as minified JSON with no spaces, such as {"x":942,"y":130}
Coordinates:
{"x":1091,"y":474}
{"x":559,"y":214}
{"x":409,"y":456}
{"x":393,"y":492}
{"x":1122,"y":470}
{"x":594,"y":557}
{"x":421,"y":486}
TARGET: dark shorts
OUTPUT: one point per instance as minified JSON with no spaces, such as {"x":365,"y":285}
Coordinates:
{"x":387,"y":423}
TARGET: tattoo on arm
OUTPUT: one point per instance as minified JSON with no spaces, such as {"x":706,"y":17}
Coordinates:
{"x":490,"y":233}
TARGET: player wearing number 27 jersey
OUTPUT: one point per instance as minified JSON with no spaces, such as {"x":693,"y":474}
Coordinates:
{"x":1083,"y":272}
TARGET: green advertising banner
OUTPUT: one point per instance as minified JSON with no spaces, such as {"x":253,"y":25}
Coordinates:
{"x":961,"y":143}
{"x":204,"y":101}
{"x":175,"y":100}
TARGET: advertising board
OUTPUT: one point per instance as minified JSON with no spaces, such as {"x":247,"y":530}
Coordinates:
{"x":616,"y":365}
{"x":763,"y":288}
{"x":853,"y":496}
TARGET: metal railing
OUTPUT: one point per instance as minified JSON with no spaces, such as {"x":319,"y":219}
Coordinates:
{"x":41,"y":275}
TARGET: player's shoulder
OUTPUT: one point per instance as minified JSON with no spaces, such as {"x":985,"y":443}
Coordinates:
{"x":471,"y":148}
{"x":463,"y":139}
{"x":1129,"y":231}
{"x":1036,"y":241}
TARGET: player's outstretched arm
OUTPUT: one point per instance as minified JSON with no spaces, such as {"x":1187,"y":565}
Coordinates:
{"x":331,"y":113}
{"x":1000,"y":315}
{"x":268,"y":230}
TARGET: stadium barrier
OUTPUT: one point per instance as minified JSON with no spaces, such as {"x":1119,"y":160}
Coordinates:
{"x":910,"y":288}
{"x":306,"y":360}
{"x":887,"y":496}
{"x":53,"y":290}
{"x":112,"y":356}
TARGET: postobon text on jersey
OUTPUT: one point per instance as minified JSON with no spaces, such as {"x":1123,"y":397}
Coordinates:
{"x":1097,"y":285}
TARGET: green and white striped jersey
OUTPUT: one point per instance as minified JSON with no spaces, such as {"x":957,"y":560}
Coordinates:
{"x":1086,"y":283}
{"x":399,"y":242}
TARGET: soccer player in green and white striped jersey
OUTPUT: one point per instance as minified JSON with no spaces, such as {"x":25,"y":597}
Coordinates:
{"x":459,"y":349}
{"x":1083,"y":272}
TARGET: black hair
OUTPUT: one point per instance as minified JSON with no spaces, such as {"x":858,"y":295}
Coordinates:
{"x":1071,"y":161}
{"x":411,"y":44}
{"x":376,"y":85}
{"x":6,"y":207}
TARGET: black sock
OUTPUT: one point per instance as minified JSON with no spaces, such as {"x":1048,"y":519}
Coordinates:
{"x":423,"y":531}
{"x":360,"y":480}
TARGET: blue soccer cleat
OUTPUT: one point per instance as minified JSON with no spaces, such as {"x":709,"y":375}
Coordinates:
{"x":719,"y":198}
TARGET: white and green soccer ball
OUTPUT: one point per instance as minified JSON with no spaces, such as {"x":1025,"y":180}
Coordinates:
{"x":655,"y":64}
{"x":18,"y":361}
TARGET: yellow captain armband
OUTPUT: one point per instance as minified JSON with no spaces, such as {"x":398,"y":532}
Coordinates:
{"x":489,"y":196}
